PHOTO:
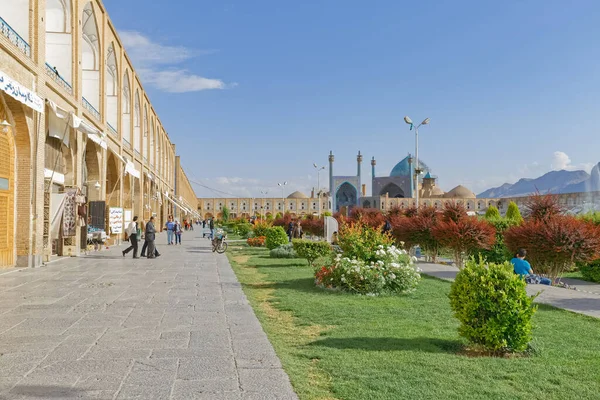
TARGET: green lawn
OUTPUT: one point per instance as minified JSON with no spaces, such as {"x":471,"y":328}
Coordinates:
{"x":341,"y":346}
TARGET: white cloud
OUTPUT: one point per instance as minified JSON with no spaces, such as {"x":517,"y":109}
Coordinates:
{"x":155,"y":64}
{"x":560,"y":161}
{"x":251,"y":187}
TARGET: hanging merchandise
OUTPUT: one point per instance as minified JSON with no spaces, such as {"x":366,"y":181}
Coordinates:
{"x":70,"y":213}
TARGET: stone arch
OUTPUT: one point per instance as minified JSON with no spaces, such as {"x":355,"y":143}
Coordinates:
{"x":146,"y":138}
{"x":128,"y":191}
{"x":112,"y":88}
{"x":126,"y":110}
{"x":345,"y":196}
{"x":481,"y":205}
{"x":137,"y":139}
{"x":91,"y":170}
{"x":152,"y":143}
{"x":90,"y":57}
{"x":393,"y":190}
{"x":59,"y":39}
{"x":113,"y":181}
{"x":15,"y":200}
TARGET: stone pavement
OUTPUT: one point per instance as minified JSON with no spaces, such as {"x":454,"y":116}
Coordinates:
{"x":107,"y":327}
{"x":583,"y":302}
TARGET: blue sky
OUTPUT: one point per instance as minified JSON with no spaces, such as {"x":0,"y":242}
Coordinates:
{"x":254,"y":92}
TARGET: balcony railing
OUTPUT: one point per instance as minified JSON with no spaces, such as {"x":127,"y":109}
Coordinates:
{"x":91,"y":109}
{"x":112,"y":129}
{"x":15,"y":38}
{"x":53,"y":73}
{"x":127,"y":143}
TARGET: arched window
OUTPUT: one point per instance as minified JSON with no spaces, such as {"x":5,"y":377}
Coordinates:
{"x":59,"y":42}
{"x":112,"y":89}
{"x":146,"y":139}
{"x":126,"y":110}
{"x":90,"y":61}
{"x":137,"y":140}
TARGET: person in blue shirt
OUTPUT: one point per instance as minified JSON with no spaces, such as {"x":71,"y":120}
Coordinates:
{"x":169,"y":226}
{"x":523,"y":268}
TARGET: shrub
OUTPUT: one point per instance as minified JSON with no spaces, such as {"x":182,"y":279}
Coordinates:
{"x":454,"y":212}
{"x":258,"y":241}
{"x":590,"y":270}
{"x":327,"y":213}
{"x":369,"y":216}
{"x":541,"y":207}
{"x":314,"y":226}
{"x":361,"y":241}
{"x":498,"y":253}
{"x":276,"y":237}
{"x":311,"y":250}
{"x":418,"y":231}
{"x":285,"y":251}
{"x":492,"y":305}
{"x":555,"y":243}
{"x":278,"y":216}
{"x":242,"y":229}
{"x":513,"y":213}
{"x":492,"y":213}
{"x":260,"y":229}
{"x":464,"y":237}
{"x":393,"y":272}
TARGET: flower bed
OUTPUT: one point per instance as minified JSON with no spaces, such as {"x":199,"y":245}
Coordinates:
{"x":256,"y":241}
{"x":393,"y":272}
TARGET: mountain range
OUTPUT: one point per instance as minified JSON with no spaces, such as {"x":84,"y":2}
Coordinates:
{"x":552,"y":182}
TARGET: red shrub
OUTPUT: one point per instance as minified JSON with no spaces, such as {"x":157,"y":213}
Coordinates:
{"x":554,"y":242}
{"x":256,"y":241}
{"x":370,"y":216}
{"x":542,"y":207}
{"x":453,"y":212}
{"x":418,"y":230}
{"x":465,"y":236}
{"x":395,"y":212}
{"x":410,"y":212}
{"x":314,"y":226}
{"x":283,"y":221}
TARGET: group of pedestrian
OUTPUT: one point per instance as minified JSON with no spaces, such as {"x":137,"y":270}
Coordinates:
{"x":174,"y":230}
{"x":294,"y":230}
{"x":134,"y":232}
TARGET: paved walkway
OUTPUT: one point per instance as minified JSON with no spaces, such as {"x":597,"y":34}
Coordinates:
{"x":579,"y":301}
{"x":108,"y":327}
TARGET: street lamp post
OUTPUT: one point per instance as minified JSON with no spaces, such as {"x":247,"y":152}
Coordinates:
{"x":319,"y":169}
{"x":282,"y":198}
{"x":262,"y":207}
{"x":417,"y":167}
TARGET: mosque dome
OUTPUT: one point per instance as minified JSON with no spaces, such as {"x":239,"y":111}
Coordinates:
{"x":437,"y":191}
{"x":460,"y":192}
{"x":297,"y":195}
{"x":403,"y":169}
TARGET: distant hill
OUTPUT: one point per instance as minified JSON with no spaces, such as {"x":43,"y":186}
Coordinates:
{"x":551,"y":182}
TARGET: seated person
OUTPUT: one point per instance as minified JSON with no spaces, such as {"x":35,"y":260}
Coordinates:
{"x":523,"y":268}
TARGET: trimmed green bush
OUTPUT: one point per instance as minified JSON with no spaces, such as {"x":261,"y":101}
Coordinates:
{"x":285,"y":251}
{"x":513,"y":213}
{"x":242,"y":229}
{"x":327,"y":213}
{"x":311,"y":250}
{"x":260,"y":229}
{"x":498,"y":253}
{"x":590,"y":271}
{"x":492,"y":213}
{"x":276,"y":237}
{"x":493,"y":307}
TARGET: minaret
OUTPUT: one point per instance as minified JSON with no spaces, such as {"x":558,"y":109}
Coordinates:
{"x":331,"y":194}
{"x":359,"y":159}
{"x":411,"y":173}
{"x":373,"y":163}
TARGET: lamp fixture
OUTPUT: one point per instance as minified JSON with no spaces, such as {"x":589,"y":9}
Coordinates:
{"x":5,"y":125}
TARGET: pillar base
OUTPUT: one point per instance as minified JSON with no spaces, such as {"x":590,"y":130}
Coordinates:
{"x":29,"y":261}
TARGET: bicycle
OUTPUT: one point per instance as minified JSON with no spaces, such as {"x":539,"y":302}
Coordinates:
{"x":219,"y":244}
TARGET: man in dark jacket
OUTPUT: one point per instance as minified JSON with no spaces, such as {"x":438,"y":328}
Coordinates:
{"x":211,"y":226}
{"x":150,"y":237}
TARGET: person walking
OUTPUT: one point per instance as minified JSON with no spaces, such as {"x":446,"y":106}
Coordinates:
{"x":132,"y":232}
{"x":150,"y":237}
{"x":177,"y":230}
{"x":211,"y":226}
{"x":169,"y":228}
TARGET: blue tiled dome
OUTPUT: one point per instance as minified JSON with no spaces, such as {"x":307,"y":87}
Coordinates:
{"x":402,"y":168}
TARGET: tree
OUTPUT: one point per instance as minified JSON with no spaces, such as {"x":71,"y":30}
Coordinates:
{"x":492,"y":213}
{"x":542,"y":207}
{"x":555,"y":243}
{"x":225,"y":213}
{"x":464,"y":237}
{"x":370,"y":216}
{"x":454,"y":212}
{"x":513,"y":213}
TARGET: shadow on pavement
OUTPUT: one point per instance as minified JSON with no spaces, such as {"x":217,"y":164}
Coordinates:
{"x":420,"y":344}
{"x":47,"y":392}
{"x":578,"y":304}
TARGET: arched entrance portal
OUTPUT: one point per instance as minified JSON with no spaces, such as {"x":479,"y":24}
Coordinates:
{"x":394,"y":191}
{"x":17,"y":245}
{"x":346,"y":196}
